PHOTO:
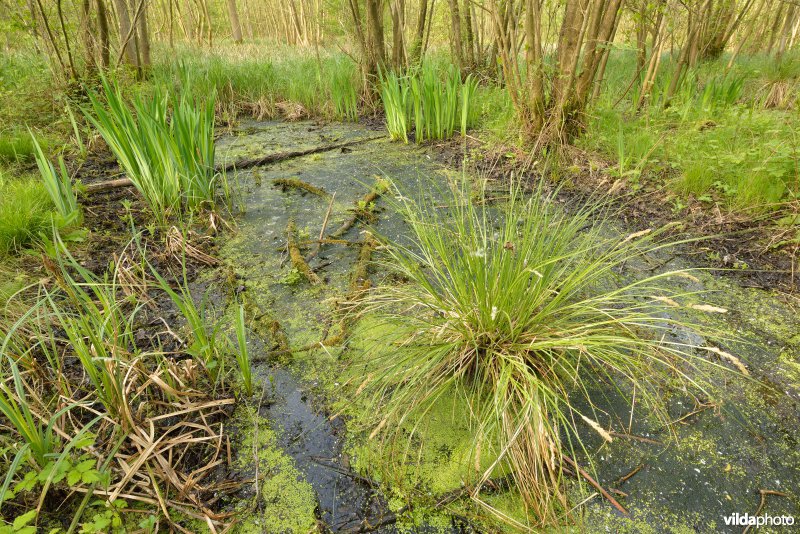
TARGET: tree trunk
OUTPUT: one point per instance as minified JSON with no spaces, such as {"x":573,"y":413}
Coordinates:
{"x":102,"y":26}
{"x":89,"y":45}
{"x":377,"y":48}
{"x":534,"y":56}
{"x":143,"y":37}
{"x":455,"y":35}
{"x":419,"y":36}
{"x":236,"y":27}
{"x":398,"y":50}
{"x":470,"y":35}
{"x":125,"y":33}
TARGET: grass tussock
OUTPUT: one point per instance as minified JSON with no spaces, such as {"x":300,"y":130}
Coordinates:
{"x":26,"y":214}
{"x":521,"y":312}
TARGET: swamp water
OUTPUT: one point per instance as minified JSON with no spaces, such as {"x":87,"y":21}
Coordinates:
{"x":315,"y":472}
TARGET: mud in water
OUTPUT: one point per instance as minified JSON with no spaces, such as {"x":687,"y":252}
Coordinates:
{"x":719,"y":459}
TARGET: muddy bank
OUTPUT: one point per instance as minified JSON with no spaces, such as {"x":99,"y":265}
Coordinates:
{"x":715,"y":464}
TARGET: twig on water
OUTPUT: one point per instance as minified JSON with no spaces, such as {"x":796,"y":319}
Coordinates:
{"x":594,"y":484}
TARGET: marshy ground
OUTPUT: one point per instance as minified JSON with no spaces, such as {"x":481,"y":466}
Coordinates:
{"x":715,"y":459}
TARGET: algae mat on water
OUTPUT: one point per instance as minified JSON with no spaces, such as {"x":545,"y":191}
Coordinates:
{"x":713,"y":465}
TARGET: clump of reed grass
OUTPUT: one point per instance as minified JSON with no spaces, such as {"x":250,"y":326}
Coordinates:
{"x":243,"y":354}
{"x":166,"y":150}
{"x":57,"y":184}
{"x":435,"y":104}
{"x":15,"y":147}
{"x":520,"y":311}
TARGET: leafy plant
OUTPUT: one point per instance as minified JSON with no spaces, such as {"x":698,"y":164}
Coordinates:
{"x":168,"y":158}
{"x":57,"y":184}
{"x":208,"y":345}
{"x":520,"y":312}
{"x":394,"y":94}
{"x":101,"y":335}
{"x":434,"y":104}
{"x":40,"y":439}
{"x":242,"y":356}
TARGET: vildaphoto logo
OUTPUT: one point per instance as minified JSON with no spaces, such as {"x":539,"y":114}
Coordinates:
{"x":747,"y":520}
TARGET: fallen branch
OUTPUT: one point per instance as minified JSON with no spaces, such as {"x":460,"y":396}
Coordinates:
{"x":99,"y":187}
{"x":763,"y":503}
{"x":362,"y":208}
{"x":594,"y":484}
{"x":283,"y":156}
{"x":624,"y":478}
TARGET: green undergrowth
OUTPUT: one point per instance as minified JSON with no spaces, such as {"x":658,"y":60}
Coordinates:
{"x":249,"y":81}
{"x":26,"y":214}
{"x":436,"y":102}
{"x":722,"y":139}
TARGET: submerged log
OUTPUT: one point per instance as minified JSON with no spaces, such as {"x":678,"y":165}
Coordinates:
{"x":294,"y":183}
{"x":282,"y":156}
{"x":362,"y":209}
{"x":298,"y":261}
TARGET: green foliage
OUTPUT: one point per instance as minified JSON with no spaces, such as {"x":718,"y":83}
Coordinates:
{"x":435,"y":103}
{"x":343,"y":90}
{"x":21,"y":524}
{"x":243,"y":356}
{"x":105,"y":517}
{"x":208,"y":345}
{"x":169,"y":158}
{"x":101,"y":335}
{"x":251,"y":82}
{"x":16,"y":147}
{"x":40,"y":439}
{"x":57,"y":184}
{"x":715,"y":141}
{"x":520,"y":312}
{"x":394,"y":95}
{"x":25,"y":214}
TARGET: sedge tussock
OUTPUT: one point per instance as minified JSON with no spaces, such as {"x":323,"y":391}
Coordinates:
{"x":521,"y":311}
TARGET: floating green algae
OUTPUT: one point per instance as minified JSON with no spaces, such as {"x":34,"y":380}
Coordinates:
{"x":283,"y":501}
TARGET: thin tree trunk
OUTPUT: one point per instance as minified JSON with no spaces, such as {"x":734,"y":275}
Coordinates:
{"x":419,"y":36}
{"x":102,"y":26}
{"x":455,"y":35}
{"x":398,"y":54}
{"x":87,"y":35}
{"x":124,"y":22}
{"x":535,"y":62}
{"x":377,"y":48}
{"x":469,"y":34}
{"x":143,"y":37}
{"x":236,"y":27}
